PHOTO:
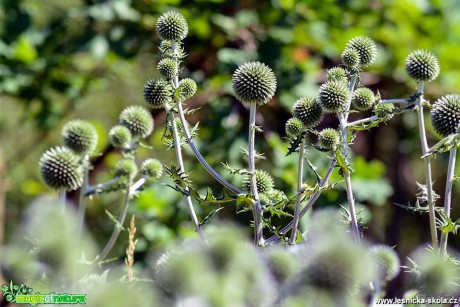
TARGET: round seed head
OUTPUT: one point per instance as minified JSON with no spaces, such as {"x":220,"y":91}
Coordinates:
{"x":309,"y":111}
{"x":157,"y":93}
{"x":366,"y":48}
{"x":120,"y":137}
{"x":445,"y":115}
{"x":337,"y":74}
{"x":334,"y":96}
{"x":264,"y":182}
{"x":187,"y":88}
{"x":60,"y":169}
{"x":384,"y":111}
{"x":80,"y":136}
{"x":126,"y":168}
{"x":254,"y":82}
{"x":294,"y":127}
{"x":329,"y":138}
{"x":350,"y":57}
{"x":172,"y":26}
{"x":152,"y":168}
{"x":387,"y":260}
{"x":422,"y":65}
{"x":168,"y":68}
{"x":363,"y":99}
{"x":138,"y":120}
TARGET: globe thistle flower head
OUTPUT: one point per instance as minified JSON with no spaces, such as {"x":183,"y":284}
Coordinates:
{"x":125,"y":168}
{"x":280,"y":263}
{"x":152,"y":169}
{"x":337,"y":74}
{"x":422,"y":65}
{"x":329,"y":138}
{"x":157,"y":93}
{"x":384,"y":111}
{"x":120,"y":137}
{"x":334,"y":96}
{"x":308,"y":111}
{"x":172,"y":26}
{"x":168,"y":68}
{"x":350,"y":57}
{"x":254,"y":82}
{"x":294,"y":127}
{"x":363,"y":99}
{"x":60,"y":169}
{"x":80,"y":136}
{"x":264,"y":182}
{"x":138,"y":120}
{"x":388,"y":264}
{"x":445,"y":115}
{"x":366,"y":48}
{"x":187,"y":88}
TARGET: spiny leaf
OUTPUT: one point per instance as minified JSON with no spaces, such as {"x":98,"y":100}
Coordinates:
{"x":239,"y":171}
{"x":294,"y":144}
{"x":446,"y":144}
{"x":118,"y":225}
{"x":206,"y":219}
{"x":315,"y":170}
{"x":179,"y":177}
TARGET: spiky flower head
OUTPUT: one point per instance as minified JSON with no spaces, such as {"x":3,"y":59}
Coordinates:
{"x":329,"y":138}
{"x":388,"y":264}
{"x":152,"y":169}
{"x":366,"y":48}
{"x":120,"y":137}
{"x":294,"y":127}
{"x":168,"y":68}
{"x":80,"y":136}
{"x":337,"y":74}
{"x":308,"y":110}
{"x":157,"y":93}
{"x":334,"y":96}
{"x":363,"y":99}
{"x":125,"y":168}
{"x":254,"y":82}
{"x":350,"y":57}
{"x":445,"y":115}
{"x":280,"y":263}
{"x":60,"y":169}
{"x":187,"y":88}
{"x":264,"y":182}
{"x":422,"y":65}
{"x":138,"y":120}
{"x":384,"y":111}
{"x":172,"y":26}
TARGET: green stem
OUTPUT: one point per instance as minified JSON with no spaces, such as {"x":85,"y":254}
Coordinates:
{"x":448,"y":196}
{"x":62,"y":198}
{"x":299,"y":195}
{"x":362,"y":121}
{"x":91,"y":190}
{"x":82,"y":199}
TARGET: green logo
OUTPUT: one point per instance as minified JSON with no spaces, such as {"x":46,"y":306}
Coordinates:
{"x":21,"y":294}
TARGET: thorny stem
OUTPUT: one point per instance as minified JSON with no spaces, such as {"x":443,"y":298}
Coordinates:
{"x":427,"y":160}
{"x":82,"y":199}
{"x":258,"y":226}
{"x":299,"y":195}
{"x":448,"y":196}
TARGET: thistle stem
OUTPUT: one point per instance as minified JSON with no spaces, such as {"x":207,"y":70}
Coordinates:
{"x":137,"y":185}
{"x":82,"y":199}
{"x":448,"y":196}
{"x":399,"y":100}
{"x":427,"y":160}
{"x":362,"y":121}
{"x":90,"y":190}
{"x":299,"y":195}
{"x":62,"y":197}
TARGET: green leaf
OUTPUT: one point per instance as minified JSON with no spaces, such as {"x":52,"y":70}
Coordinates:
{"x":24,"y":50}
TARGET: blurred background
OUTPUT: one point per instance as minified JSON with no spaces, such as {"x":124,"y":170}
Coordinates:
{"x":89,"y":59}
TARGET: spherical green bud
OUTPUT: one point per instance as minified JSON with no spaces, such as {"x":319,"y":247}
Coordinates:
{"x":60,"y":169}
{"x":126,"y":168}
{"x":280,"y":263}
{"x":187,"y":88}
{"x":350,"y":57}
{"x":157,"y":93}
{"x":329,"y":138}
{"x":80,"y":136}
{"x":172,"y":26}
{"x":294,"y":127}
{"x":152,"y":168}
{"x":309,"y":111}
{"x":388,"y":264}
{"x":422,"y":65}
{"x":334,"y":96}
{"x":138,"y":120}
{"x":264,"y":182}
{"x":254,"y":82}
{"x":120,"y":137}
{"x":445,"y":115}
{"x":168,"y":68}
{"x":384,"y":111}
{"x":363,"y":99}
{"x":366,"y":48}
{"x":337,"y":74}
